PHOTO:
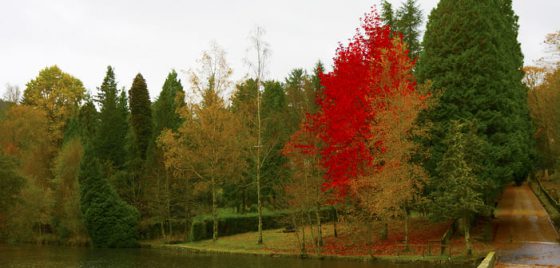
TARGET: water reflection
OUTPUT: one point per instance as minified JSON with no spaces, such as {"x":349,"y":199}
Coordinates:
{"x":49,"y":256}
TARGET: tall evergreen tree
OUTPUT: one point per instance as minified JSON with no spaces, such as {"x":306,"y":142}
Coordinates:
{"x":407,"y":22}
{"x":315,"y":88}
{"x":275,"y":135}
{"x":165,"y":107}
{"x":88,"y":120}
{"x":159,"y":194}
{"x":140,"y":115}
{"x":243,"y":106}
{"x":109,"y":220}
{"x":111,"y":134}
{"x":473,"y":59}
{"x":294,"y":85}
{"x":387,"y":13}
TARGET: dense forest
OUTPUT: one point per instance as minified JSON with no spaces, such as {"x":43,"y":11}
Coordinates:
{"x":400,"y":126}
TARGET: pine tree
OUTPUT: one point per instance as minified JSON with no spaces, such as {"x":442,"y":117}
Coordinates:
{"x":110,"y":139}
{"x":294,"y":85}
{"x":243,"y":106}
{"x":473,"y":59}
{"x":313,"y":89}
{"x":407,"y":22}
{"x":140,"y":115}
{"x":275,"y":135}
{"x":159,"y":194}
{"x":165,"y":107}
{"x":387,"y":14}
{"x":88,"y":120}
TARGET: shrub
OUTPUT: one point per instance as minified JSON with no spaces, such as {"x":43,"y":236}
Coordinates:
{"x":201,"y":228}
{"x":109,"y":220}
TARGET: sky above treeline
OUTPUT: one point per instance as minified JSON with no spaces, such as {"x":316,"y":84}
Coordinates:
{"x":152,"y":37}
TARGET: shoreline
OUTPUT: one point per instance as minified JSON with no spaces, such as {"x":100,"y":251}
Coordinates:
{"x":438,"y":260}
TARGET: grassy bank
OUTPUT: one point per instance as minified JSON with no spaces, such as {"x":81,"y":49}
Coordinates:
{"x":280,"y":244}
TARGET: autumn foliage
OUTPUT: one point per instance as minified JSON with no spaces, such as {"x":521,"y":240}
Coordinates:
{"x":366,"y":73}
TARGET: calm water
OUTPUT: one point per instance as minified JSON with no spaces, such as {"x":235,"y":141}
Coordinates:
{"x":49,"y":256}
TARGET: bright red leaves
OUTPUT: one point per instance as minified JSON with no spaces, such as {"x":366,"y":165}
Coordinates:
{"x":364,"y":71}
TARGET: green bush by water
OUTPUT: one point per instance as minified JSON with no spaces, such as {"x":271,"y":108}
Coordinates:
{"x":230,"y":224}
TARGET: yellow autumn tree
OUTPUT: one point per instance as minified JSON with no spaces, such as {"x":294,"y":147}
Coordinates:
{"x":395,"y":181}
{"x":543,"y":82}
{"x":304,"y":189}
{"x":208,"y":144}
{"x":58,"y":94}
{"x":67,"y":217}
{"x":22,"y":136}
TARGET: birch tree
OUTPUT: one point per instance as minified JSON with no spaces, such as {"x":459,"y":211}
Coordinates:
{"x":257,"y":63}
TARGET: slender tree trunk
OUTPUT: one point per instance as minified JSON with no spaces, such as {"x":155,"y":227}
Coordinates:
{"x":159,"y":201}
{"x":296,"y":228}
{"x":187,"y":210}
{"x":303,"y":250}
{"x":319,"y":226}
{"x":334,"y":221}
{"x":214,"y":211}
{"x":385,"y":231}
{"x":161,"y":225}
{"x":168,"y":203}
{"x":369,"y":242}
{"x":40,"y":231}
{"x":170,"y":224}
{"x":244,"y":203}
{"x":313,"y":239}
{"x":406,"y":218}
{"x":259,"y":203}
{"x":467,"y":235}
{"x":187,"y":222}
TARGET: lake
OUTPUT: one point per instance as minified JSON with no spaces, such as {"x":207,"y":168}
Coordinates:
{"x":53,"y":256}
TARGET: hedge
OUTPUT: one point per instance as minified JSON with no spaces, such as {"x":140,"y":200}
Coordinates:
{"x":202,"y":228}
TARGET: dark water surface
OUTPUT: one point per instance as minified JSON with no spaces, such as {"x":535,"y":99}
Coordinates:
{"x":52,"y":256}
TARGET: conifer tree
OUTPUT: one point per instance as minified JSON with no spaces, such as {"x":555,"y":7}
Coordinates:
{"x":407,"y":22}
{"x":387,"y":14}
{"x":140,"y":115}
{"x":275,"y":135}
{"x":159,"y":193}
{"x":109,"y":221}
{"x":243,"y":106}
{"x":459,"y":192}
{"x":165,"y":107}
{"x":110,"y":139}
{"x":88,"y":120}
{"x":473,"y":59}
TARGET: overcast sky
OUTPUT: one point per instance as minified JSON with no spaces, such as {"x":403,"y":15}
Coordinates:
{"x":152,"y":37}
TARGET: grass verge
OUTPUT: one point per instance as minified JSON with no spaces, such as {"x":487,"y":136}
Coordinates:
{"x":280,"y":244}
{"x":552,"y":211}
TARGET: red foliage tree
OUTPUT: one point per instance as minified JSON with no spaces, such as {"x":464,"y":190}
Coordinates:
{"x":365,"y":72}
{"x":344,"y":121}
